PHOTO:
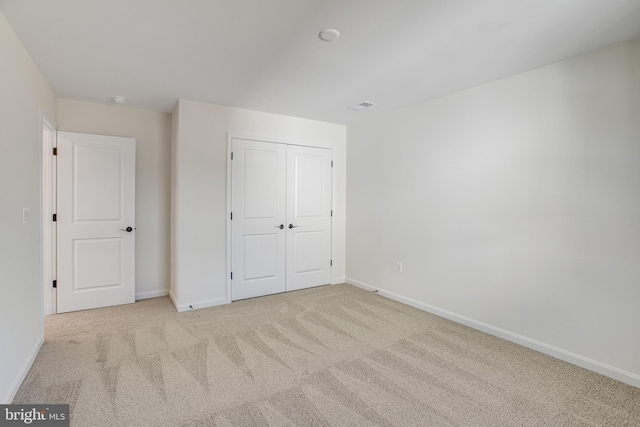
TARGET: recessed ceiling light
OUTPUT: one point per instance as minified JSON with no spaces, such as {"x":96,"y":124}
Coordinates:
{"x":329,"y":34}
{"x":119,"y":99}
{"x":362,"y":106}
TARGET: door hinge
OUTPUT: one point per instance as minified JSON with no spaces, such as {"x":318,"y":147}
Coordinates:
{"x":55,"y":217}
{"x":232,"y":216}
{"x":331,"y":163}
{"x":232,"y":155}
{"x":55,"y":283}
{"x":232,"y":275}
{"x":331,"y":213}
{"x":331,"y":263}
{"x":55,"y":151}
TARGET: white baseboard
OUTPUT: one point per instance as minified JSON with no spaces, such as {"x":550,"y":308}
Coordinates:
{"x":196,"y":305}
{"x":360,"y":285}
{"x":558,"y":353}
{"x":23,"y":372}
{"x":152,"y":294}
{"x":338,"y":280}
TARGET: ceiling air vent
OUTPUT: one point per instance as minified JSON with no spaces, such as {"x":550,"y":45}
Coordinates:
{"x":362,"y":105}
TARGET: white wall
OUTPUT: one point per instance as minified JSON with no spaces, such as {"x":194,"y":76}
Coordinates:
{"x":152,"y":131}
{"x":514,"y":206}
{"x":24,"y":94}
{"x":200,"y":202}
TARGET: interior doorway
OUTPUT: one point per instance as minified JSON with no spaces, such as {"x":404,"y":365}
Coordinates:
{"x":88,"y":220}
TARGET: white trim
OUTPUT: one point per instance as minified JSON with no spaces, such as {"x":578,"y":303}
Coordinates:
{"x":334,"y":229}
{"x":229,"y":150}
{"x":338,"y":280}
{"x":558,"y":353}
{"x":195,"y":305}
{"x":23,"y":372}
{"x":152,"y":294}
{"x":230,"y":137}
{"x":47,"y":208}
{"x":199,"y":304}
{"x":360,"y":285}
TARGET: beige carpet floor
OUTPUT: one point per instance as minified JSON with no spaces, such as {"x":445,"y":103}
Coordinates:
{"x":328,"y":356}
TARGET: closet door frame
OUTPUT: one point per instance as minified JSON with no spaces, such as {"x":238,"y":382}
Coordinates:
{"x":230,"y":137}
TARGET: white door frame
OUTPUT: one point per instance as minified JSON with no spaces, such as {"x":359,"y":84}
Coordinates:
{"x":230,"y":137}
{"x":47,"y":209}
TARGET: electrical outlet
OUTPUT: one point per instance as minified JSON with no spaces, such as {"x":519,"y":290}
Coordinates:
{"x":399,"y":266}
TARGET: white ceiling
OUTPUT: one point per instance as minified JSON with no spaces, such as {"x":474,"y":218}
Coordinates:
{"x":266,"y":55}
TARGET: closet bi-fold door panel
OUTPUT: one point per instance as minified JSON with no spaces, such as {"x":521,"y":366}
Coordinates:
{"x":258,"y":188}
{"x":281,"y":225}
{"x":308,"y":217}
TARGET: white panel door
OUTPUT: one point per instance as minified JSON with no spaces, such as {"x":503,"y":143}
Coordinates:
{"x":308,"y":217}
{"x":258,"y":182}
{"x":95,"y":221}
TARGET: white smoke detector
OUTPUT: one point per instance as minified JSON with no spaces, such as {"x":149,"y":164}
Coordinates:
{"x":329,"y":34}
{"x":119,"y":99}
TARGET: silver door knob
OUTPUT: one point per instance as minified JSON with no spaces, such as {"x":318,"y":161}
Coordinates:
{"x":293,"y":226}
{"x":128,"y":229}
{"x":281,"y":226}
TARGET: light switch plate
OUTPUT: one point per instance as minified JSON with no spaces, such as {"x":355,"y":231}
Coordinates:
{"x":26,"y":215}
